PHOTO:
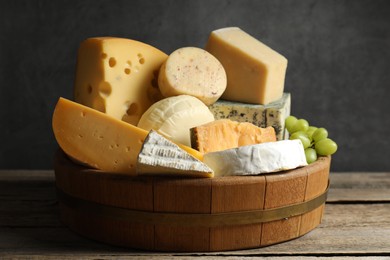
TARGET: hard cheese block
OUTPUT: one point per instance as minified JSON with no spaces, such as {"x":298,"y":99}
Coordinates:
{"x":192,"y":71}
{"x":273,"y":114}
{"x":98,"y":140}
{"x":174,"y":116}
{"x":255,"y":72}
{"x":224,"y":134}
{"x":118,"y":76}
{"x":159,"y":155}
{"x":257,"y":159}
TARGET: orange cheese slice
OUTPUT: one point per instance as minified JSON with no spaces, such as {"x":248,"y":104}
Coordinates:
{"x":99,"y":140}
{"x":225,"y":134}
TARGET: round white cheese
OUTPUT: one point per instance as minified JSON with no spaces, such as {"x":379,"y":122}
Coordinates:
{"x":192,"y":71}
{"x":173,"y":117}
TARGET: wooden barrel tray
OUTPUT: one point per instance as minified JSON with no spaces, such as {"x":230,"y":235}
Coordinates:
{"x":191,"y":214}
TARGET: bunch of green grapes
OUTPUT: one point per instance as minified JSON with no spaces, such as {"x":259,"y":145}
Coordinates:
{"x":315,"y":140}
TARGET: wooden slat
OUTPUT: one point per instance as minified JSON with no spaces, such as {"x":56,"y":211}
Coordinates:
{"x":359,"y":187}
{"x":106,"y":189}
{"x":108,"y":230}
{"x":317,"y":182}
{"x":30,"y":227}
{"x":158,"y":257}
{"x":27,"y":199}
{"x":282,"y":190}
{"x":346,"y":229}
{"x":29,"y":175}
{"x":367,"y":186}
{"x":191,"y":196}
{"x":228,"y":198}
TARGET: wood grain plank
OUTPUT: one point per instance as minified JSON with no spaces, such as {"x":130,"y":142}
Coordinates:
{"x":107,"y":189}
{"x":350,"y":229}
{"x":108,"y":230}
{"x":29,"y":224}
{"x":281,"y":190}
{"x":191,"y":196}
{"x":159,"y":257}
{"x":359,"y":187}
{"x":367,"y":186}
{"x":317,"y":182}
{"x":23,"y":175}
{"x":227,"y":196}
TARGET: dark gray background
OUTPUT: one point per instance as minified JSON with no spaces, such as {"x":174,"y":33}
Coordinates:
{"x":338,"y":71}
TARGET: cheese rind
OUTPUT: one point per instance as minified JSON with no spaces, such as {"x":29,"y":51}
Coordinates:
{"x":173,"y":117}
{"x":97,"y":139}
{"x":255,"y":72}
{"x":118,"y":76}
{"x":159,"y":155}
{"x":257,"y":159}
{"x":224,"y":134}
{"x":192,"y":71}
{"x":273,"y":114}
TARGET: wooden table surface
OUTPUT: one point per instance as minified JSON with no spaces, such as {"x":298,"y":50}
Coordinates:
{"x":356,"y":224}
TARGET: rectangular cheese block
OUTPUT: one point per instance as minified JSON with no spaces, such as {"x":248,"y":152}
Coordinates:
{"x":224,"y":134}
{"x":255,"y":72}
{"x":257,"y":159}
{"x":273,"y":114}
{"x":118,"y":76}
{"x":99,"y":140}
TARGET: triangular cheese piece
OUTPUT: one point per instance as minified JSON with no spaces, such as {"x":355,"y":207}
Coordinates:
{"x":159,"y":155}
{"x":99,"y":140}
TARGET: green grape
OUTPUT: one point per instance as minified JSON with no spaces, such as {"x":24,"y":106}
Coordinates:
{"x":325,"y":147}
{"x":319,"y":134}
{"x":290,"y":122}
{"x":311,"y":155}
{"x":310,"y":132}
{"x":312,"y":128}
{"x":303,"y":137}
{"x":300,"y":125}
{"x":298,"y":133}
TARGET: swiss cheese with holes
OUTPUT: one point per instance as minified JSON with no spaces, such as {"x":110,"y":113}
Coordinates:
{"x":118,"y":76}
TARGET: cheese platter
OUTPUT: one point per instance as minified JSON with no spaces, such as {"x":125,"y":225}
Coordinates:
{"x":191,"y":214}
{"x":192,"y":151}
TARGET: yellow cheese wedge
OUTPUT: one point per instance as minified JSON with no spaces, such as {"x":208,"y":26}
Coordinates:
{"x":255,"y":72}
{"x":224,"y":134}
{"x":192,"y":71}
{"x":118,"y":76}
{"x":98,"y":140}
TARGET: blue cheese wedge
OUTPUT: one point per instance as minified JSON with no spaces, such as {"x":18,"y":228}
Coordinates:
{"x":273,"y":114}
{"x":160,"y":156}
{"x":257,"y":159}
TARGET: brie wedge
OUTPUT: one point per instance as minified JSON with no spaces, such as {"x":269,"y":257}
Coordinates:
{"x":159,"y":155}
{"x":257,"y":159}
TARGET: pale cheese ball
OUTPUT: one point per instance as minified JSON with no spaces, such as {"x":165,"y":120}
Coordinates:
{"x":195,"y":72}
